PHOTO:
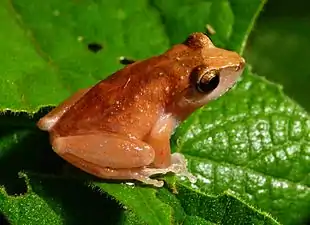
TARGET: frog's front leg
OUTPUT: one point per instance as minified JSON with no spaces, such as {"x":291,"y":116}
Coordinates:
{"x":108,"y":155}
{"x":178,"y":166}
{"x":159,"y":139}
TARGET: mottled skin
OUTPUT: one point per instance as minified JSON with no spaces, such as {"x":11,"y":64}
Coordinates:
{"x":120,"y":128}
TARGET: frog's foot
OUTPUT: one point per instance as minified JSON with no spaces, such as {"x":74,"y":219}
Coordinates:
{"x":147,"y":180}
{"x":178,"y":166}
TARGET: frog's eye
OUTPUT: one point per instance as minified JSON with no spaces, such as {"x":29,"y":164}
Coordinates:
{"x":208,"y":81}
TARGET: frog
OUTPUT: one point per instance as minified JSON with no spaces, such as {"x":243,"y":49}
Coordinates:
{"x":120,"y":128}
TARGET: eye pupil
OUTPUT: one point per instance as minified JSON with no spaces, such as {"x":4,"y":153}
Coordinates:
{"x":208,"y":82}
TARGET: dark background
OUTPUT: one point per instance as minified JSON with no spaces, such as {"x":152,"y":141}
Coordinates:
{"x":279,"y":47}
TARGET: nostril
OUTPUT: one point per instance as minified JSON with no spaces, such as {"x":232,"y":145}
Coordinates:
{"x":241,"y":64}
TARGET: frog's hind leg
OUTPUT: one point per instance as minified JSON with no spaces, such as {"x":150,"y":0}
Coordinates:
{"x":105,"y":149}
{"x":109,"y":173}
{"x":48,"y":121}
{"x":107,"y":155}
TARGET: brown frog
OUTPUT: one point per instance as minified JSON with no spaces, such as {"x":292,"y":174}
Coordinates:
{"x":120,"y":128}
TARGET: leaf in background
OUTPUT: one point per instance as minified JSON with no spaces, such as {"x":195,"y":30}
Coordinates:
{"x":232,"y":20}
{"x":46,"y":46}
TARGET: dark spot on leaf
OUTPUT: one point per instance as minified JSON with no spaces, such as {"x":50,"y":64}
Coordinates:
{"x":126,"y":61}
{"x":3,"y":220}
{"x":94,"y":47}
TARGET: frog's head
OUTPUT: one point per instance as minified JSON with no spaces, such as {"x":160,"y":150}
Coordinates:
{"x":217,"y":70}
{"x":210,"y":71}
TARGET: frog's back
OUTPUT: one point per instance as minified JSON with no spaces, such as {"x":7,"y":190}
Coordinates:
{"x":127,"y":102}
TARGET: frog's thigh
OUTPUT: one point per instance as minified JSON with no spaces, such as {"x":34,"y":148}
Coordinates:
{"x":51,"y":118}
{"x":104,"y":150}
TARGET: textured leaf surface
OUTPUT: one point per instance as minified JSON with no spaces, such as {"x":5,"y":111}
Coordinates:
{"x":28,"y":209}
{"x":218,"y":210}
{"x":257,"y":146}
{"x":159,"y":206}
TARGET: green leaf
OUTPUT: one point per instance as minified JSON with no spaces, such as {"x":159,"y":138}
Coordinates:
{"x":232,"y":20}
{"x":142,"y":201}
{"x":44,"y":204}
{"x":56,"y":200}
{"x":51,"y":53}
{"x":159,"y":206}
{"x":256,"y":142}
{"x":28,"y":209}
{"x":223,"y":209}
